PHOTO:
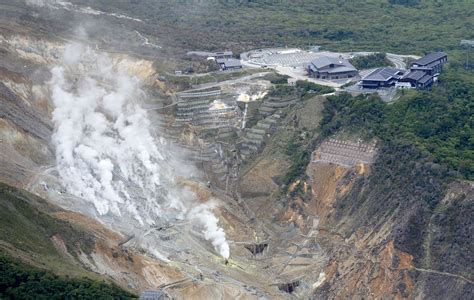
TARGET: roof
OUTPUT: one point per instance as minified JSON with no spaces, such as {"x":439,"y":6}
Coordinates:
{"x":326,"y":61}
{"x":223,"y":53}
{"x":425,"y":79}
{"x":429,"y":58}
{"x":383,"y":74}
{"x":415,"y":75}
{"x":312,"y":68}
{"x":341,"y":69}
{"x":229,"y":62}
{"x":152,"y":295}
{"x":340,"y":65}
{"x":200,"y":53}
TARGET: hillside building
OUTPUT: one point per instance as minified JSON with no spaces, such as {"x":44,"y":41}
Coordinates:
{"x":227,"y":64}
{"x":331,"y":68}
{"x":418,"y":79}
{"x":223,"y":55}
{"x":431,"y":63}
{"x":424,"y":71}
{"x":382,"y":77}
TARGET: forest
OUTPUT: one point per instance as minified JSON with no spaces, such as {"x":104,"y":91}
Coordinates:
{"x":20,"y":281}
{"x":406,"y":27}
{"x":370,"y":61}
{"x":438,"y":122}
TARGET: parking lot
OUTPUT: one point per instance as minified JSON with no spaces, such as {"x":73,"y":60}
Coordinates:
{"x":291,"y":62}
{"x":285,"y":57}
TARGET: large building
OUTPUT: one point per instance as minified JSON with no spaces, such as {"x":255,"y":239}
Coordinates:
{"x":382,"y":77}
{"x":331,"y":68}
{"x":431,"y":63}
{"x":226,"y":64}
{"x":417,"y":79}
{"x":222,"y":55}
{"x":424,"y":71}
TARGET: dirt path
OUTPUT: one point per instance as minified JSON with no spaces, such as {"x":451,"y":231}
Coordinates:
{"x":445,"y":274}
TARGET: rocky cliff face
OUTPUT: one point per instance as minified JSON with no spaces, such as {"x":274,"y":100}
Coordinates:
{"x":25,"y":125}
{"x":382,"y":226}
{"x":392,"y":228}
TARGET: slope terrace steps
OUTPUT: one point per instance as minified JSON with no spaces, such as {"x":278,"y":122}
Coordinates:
{"x":255,"y":137}
{"x":271,"y":104}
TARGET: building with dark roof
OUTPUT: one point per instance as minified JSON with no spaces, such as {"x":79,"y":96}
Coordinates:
{"x":214,"y":55}
{"x":424,"y":71}
{"x":222,"y":55}
{"x":331,"y":68}
{"x":382,"y":77}
{"x":153,"y":295}
{"x":418,"y":79}
{"x":229,"y":64}
{"x":431,"y":63}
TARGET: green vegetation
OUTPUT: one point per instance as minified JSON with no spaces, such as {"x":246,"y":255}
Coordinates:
{"x":362,"y":114}
{"x":20,"y":281}
{"x":282,"y":91}
{"x":371,"y":61}
{"x":307,"y":87}
{"x":382,"y":25}
{"x":26,"y":229}
{"x":439,"y":123}
{"x":299,"y":155}
{"x":302,"y":89}
{"x":276,"y":78}
{"x":196,"y":65}
{"x":26,"y":224}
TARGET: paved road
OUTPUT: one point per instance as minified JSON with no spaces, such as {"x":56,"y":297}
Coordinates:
{"x":399,"y":60}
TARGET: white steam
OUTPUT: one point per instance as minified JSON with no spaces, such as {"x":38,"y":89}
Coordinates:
{"x":87,"y":10}
{"x":105,"y":150}
{"x":40,"y":3}
{"x":212,"y":232}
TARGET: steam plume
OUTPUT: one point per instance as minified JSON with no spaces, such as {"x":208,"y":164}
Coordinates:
{"x":212,"y":232}
{"x":105,"y":150}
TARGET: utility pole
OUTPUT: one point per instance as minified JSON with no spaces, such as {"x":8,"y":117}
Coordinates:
{"x":468,"y":44}
{"x":467,"y":58}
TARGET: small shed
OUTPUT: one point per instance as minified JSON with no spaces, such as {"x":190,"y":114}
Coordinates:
{"x":153,"y":295}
